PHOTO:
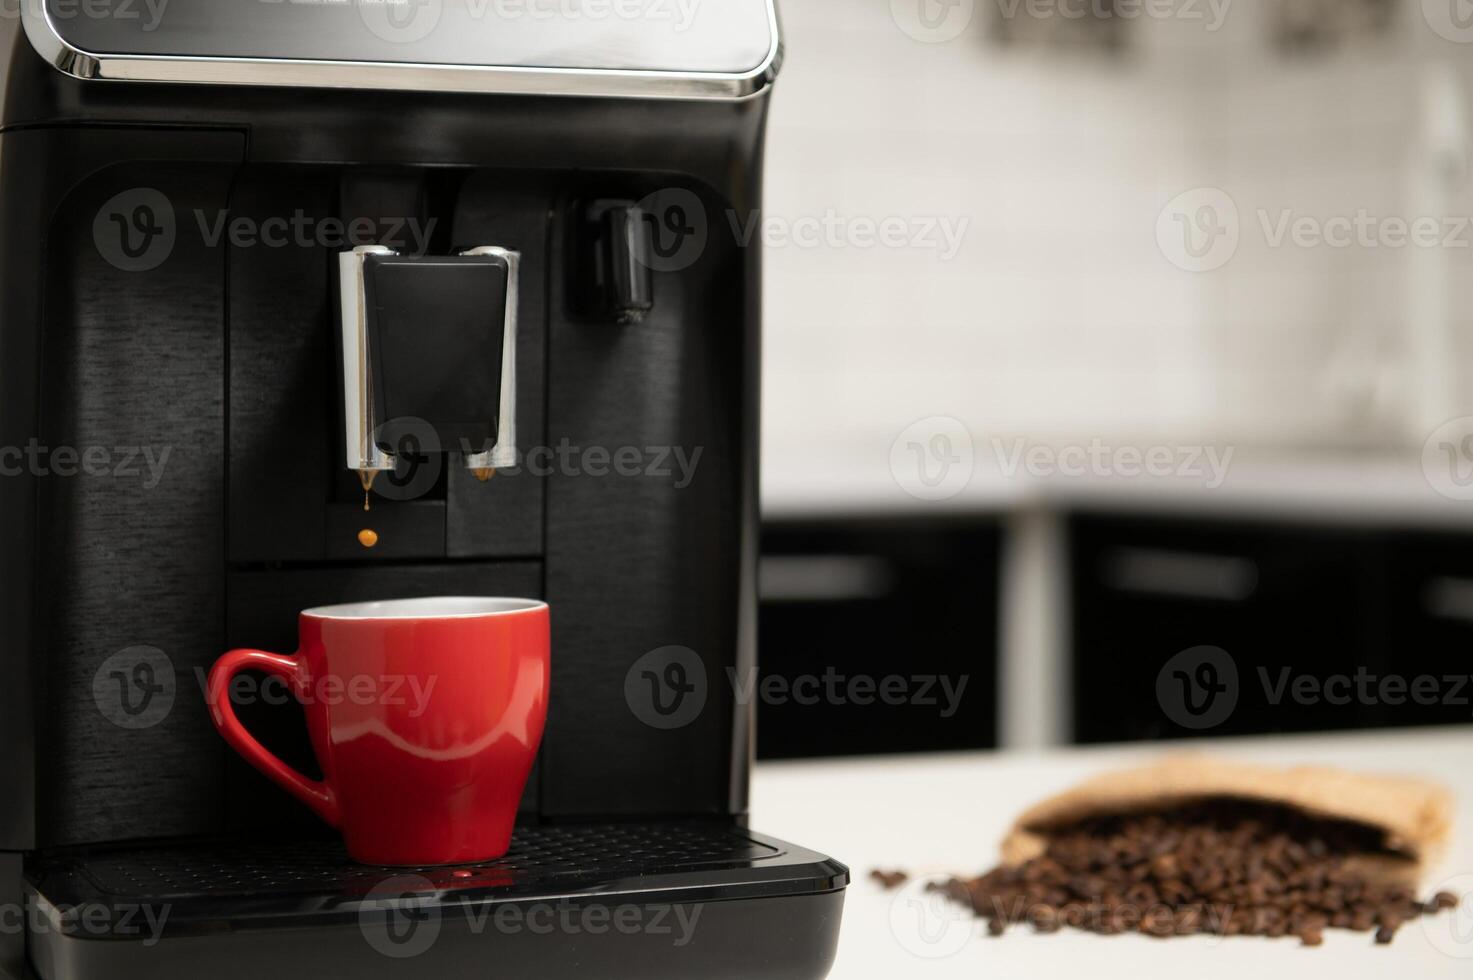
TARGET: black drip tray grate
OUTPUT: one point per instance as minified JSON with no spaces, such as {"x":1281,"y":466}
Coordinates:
{"x":537,"y":855}
{"x":207,"y":885}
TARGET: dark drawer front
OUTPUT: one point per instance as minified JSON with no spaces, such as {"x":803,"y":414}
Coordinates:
{"x":1432,"y":616}
{"x":877,"y":636}
{"x":1166,"y":611}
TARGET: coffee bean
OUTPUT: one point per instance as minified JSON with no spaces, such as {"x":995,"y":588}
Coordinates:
{"x":889,"y":879}
{"x":1224,"y":867}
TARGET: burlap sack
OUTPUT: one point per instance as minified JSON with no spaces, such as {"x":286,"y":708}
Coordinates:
{"x":1415,"y":816}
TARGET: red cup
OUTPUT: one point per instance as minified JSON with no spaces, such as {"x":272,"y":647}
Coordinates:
{"x":425,"y":715}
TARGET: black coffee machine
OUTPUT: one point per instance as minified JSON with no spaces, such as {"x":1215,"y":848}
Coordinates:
{"x":470,"y":265}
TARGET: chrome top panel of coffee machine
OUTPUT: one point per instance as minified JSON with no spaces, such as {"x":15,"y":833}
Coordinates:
{"x":650,"y":49}
{"x":194,"y":197}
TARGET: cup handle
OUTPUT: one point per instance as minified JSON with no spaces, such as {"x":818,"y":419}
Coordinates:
{"x":317,"y":795}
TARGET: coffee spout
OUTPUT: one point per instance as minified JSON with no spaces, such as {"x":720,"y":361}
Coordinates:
{"x":429,"y":352}
{"x":366,"y":477}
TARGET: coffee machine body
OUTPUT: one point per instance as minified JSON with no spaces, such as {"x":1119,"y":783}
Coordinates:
{"x":268,"y":265}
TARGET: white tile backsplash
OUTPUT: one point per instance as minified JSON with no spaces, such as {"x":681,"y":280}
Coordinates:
{"x":1059,"y":316}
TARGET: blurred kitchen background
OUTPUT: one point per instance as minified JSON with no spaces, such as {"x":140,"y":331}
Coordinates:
{"x":1147,"y":366}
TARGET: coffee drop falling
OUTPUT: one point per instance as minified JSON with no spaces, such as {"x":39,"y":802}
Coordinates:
{"x":368,"y":537}
{"x":366,"y":477}
{"x":484,"y":473}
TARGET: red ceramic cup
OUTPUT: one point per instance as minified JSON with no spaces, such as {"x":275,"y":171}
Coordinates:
{"x":425,"y":715}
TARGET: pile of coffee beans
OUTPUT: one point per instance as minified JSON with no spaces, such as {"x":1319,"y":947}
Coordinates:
{"x":1222,"y":867}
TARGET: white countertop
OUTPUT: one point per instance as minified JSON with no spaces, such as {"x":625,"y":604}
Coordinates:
{"x":941,"y":814}
{"x":1268,"y":484}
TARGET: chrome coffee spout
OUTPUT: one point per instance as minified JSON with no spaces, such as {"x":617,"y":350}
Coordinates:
{"x":364,"y":456}
{"x":429,"y":345}
{"x":504,"y":453}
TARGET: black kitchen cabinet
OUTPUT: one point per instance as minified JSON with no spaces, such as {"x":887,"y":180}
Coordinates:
{"x":877,"y":636}
{"x":1187,"y":627}
{"x":1432,"y":615}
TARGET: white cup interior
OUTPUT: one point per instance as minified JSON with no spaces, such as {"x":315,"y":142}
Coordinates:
{"x":439,"y":607}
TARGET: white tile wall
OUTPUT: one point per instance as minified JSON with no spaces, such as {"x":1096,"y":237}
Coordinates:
{"x":1059,"y":318}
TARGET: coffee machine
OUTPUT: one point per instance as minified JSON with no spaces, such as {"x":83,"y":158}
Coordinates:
{"x":307,"y":303}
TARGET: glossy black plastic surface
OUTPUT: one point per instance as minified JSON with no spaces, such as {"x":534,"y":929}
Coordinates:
{"x":435,"y":327}
{"x":643,"y":902}
{"x":258,"y":884}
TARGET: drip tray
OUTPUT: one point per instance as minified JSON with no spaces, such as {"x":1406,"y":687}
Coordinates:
{"x":609,"y":900}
